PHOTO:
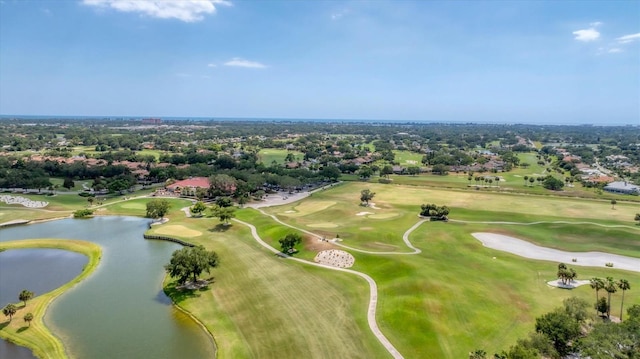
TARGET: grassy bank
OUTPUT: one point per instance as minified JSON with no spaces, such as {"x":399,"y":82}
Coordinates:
{"x":38,"y":337}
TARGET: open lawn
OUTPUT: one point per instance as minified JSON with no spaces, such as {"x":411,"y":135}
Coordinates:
{"x":37,"y":337}
{"x":268,"y":155}
{"x":136,"y":206}
{"x":408,"y":158}
{"x":452,"y":298}
{"x":307,"y":312}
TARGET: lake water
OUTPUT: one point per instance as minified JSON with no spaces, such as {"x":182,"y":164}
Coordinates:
{"x":119,"y":311}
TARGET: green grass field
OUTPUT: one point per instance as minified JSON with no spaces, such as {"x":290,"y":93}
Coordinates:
{"x":408,"y":158}
{"x":454,"y":297}
{"x":268,"y":155}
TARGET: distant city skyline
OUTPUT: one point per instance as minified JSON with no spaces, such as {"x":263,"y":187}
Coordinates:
{"x":533,"y":62}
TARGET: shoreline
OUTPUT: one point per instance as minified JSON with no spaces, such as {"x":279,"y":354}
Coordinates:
{"x":40,"y":338}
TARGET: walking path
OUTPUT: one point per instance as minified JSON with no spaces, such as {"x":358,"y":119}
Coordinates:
{"x":373,"y":290}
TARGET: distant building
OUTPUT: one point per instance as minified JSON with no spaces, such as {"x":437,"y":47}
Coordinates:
{"x":622,"y":187}
{"x":189,"y":186}
{"x":151,"y":121}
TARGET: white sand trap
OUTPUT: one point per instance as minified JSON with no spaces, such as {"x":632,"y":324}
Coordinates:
{"x":289,"y":211}
{"x":363,"y":213}
{"x":335,"y":258}
{"x":383,"y":215}
{"x":528,"y":250}
{"x":573,"y":284}
{"x":322,"y":225}
{"x":373,"y":205}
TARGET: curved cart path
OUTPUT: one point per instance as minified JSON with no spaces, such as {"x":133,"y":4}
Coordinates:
{"x":405,"y":236}
{"x":373,"y":290}
{"x":529,"y":250}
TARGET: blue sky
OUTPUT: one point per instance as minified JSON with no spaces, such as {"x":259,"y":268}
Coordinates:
{"x":461,"y":61}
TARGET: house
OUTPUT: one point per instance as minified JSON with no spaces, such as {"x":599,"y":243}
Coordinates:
{"x":622,"y":187}
{"x":189,"y":186}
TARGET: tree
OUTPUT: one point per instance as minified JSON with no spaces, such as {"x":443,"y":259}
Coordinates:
{"x":365,"y":172}
{"x":68,"y":183}
{"x":9,"y":310}
{"x":366,"y":195}
{"x":597,"y":284}
{"x":157,"y":208}
{"x":602,"y":306}
{"x":478,"y":354}
{"x":90,"y":199}
{"x":552,"y":183}
{"x":560,"y":328}
{"x":386,"y":171}
{"x":28,"y":318}
{"x":610,"y":287}
{"x":191,"y":262}
{"x":531,"y":180}
{"x":613,"y":204}
{"x":440,"y":169}
{"x":330,"y":172}
{"x":224,"y":213}
{"x":637,"y":218}
{"x":24,"y":296}
{"x":222,"y":185}
{"x":576,"y":308}
{"x":624,"y":285}
{"x":198,"y":208}
{"x":413,"y":170}
{"x":288,"y":242}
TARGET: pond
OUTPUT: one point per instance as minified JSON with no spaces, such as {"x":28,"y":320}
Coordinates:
{"x":120,"y":310}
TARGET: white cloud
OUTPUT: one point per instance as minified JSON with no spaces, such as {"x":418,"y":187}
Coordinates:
{"x":184,"y":10}
{"x":239,"y":62}
{"x":595,"y":24}
{"x":614,"y":50}
{"x":211,"y":65}
{"x":586,"y":35}
{"x":628,"y":38}
{"x":338,"y":15}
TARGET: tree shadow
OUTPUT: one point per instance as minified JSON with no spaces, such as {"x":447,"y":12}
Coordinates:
{"x":179,"y":295}
{"x":221,"y":227}
{"x":22,"y":329}
{"x":4,"y":324}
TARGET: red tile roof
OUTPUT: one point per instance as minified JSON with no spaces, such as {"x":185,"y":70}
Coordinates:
{"x":197,"y":182}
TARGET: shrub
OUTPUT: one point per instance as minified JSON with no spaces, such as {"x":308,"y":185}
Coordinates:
{"x":609,"y":264}
{"x":82,"y":213}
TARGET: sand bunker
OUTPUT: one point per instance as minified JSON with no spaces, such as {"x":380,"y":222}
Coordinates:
{"x":289,"y":211}
{"x":528,"y":250}
{"x":335,"y":258}
{"x":323,"y":225}
{"x":177,"y":230}
{"x":573,"y":284}
{"x":373,"y":205}
{"x":363,"y":213}
{"x":383,"y":215}
{"x":8,"y":199}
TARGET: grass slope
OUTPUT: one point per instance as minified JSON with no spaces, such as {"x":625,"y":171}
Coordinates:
{"x":38,"y":337}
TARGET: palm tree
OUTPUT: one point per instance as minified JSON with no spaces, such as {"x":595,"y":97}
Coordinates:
{"x":597,"y":284}
{"x":25,"y":295}
{"x":613,"y":204}
{"x":9,"y":311}
{"x":526,"y":178}
{"x":623,"y":284}
{"x":610,"y":287}
{"x":28,"y":318}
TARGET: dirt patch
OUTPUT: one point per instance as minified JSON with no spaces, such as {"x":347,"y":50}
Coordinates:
{"x":177,"y":230}
{"x":322,"y":225}
{"x":317,"y":245}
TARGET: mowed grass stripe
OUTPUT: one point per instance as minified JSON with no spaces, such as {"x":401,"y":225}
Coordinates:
{"x":261,"y":306}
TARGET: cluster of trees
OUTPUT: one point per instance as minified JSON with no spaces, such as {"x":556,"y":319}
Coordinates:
{"x":157,"y":208}
{"x":568,"y":330}
{"x":603,"y":305}
{"x":11,"y":309}
{"x":566,"y":275}
{"x":437,"y":213}
{"x":365,"y":196}
{"x":190,"y":262}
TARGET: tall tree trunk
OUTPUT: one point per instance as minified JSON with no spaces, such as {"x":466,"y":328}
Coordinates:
{"x":621,"y":304}
{"x":609,"y":305}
